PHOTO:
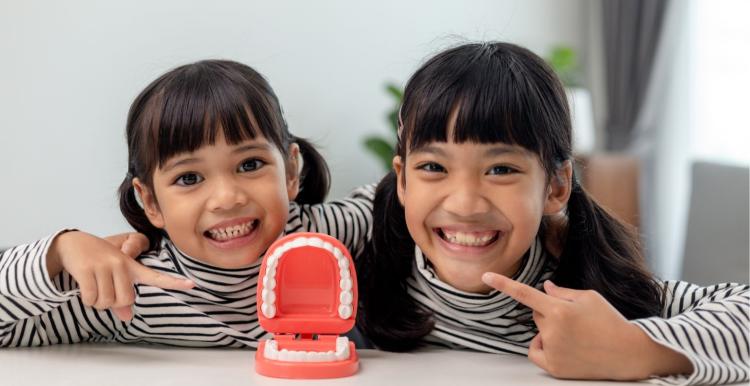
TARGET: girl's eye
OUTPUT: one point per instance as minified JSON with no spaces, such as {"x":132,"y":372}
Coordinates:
{"x":431,"y":167}
{"x":188,"y":179}
{"x":501,"y":170}
{"x":250,"y":165}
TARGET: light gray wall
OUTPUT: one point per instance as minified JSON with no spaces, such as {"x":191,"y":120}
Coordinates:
{"x":717,"y":241}
{"x":69,"y":71}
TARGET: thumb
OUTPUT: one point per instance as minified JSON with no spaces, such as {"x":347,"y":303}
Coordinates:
{"x":134,"y":244}
{"x":123,"y":313}
{"x":144,"y":275}
{"x":131,"y":244}
{"x":560,"y":292}
{"x":536,"y":352}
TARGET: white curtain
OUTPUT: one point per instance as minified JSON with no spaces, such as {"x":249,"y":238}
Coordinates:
{"x":695,"y":109}
{"x":662,"y":142}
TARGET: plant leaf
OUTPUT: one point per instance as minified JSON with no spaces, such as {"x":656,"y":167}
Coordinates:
{"x":395,"y":91}
{"x":382,"y":149}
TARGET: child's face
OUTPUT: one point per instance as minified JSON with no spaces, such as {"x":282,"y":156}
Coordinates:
{"x":473,"y":208}
{"x":224,"y":204}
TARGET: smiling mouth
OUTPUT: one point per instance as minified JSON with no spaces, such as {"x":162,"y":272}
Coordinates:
{"x":231,"y":233}
{"x":468,"y":239}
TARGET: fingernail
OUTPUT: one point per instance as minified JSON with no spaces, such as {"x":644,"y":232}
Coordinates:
{"x":487,"y":277}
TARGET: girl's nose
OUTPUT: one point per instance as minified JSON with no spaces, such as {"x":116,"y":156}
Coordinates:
{"x":466,"y":200}
{"x":227,"y":195}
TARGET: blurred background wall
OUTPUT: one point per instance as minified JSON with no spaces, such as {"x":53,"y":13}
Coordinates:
{"x":69,"y":71}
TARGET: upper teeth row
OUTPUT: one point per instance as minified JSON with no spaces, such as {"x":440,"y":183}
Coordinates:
{"x":467,"y":238}
{"x":271,"y":351}
{"x":268,"y":295}
{"x":230,"y":232}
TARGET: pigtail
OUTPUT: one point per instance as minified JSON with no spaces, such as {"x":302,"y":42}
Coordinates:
{"x":602,"y":253}
{"x":133,"y":212}
{"x":388,"y":315}
{"x":315,"y":178}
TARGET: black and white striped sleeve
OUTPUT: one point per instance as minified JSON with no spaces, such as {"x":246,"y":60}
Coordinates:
{"x":710,"y":326}
{"x":349,"y":219}
{"x":36,"y":310}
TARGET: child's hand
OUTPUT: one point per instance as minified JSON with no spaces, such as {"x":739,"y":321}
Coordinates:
{"x":131,"y":244}
{"x":581,"y":336}
{"x":105,"y":274}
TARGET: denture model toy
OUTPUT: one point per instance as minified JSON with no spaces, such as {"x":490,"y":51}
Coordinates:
{"x":307,"y":296}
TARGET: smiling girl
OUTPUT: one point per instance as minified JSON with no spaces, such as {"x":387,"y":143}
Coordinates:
{"x":482,"y":218}
{"x":214,"y":178}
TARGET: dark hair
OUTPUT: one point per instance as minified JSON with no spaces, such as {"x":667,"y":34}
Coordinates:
{"x":501,"y":93}
{"x":185,"y":108}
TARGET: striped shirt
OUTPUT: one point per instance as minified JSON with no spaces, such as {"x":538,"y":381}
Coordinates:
{"x":220,"y":311}
{"x":709,"y":325}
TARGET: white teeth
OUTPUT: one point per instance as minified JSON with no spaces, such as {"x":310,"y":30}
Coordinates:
{"x":468,"y":239}
{"x":268,"y":295}
{"x":269,"y":282}
{"x":345,"y":311}
{"x":345,"y":298}
{"x":271,"y":351}
{"x":224,"y":234}
{"x":269,"y":310}
{"x":342,"y":348}
{"x":298,"y":242}
{"x":315,"y":242}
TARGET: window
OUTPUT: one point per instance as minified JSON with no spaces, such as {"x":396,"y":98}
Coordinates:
{"x":720,"y":80}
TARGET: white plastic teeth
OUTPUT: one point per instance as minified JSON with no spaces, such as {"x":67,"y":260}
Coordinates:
{"x":271,"y":351}
{"x":268,"y":295}
{"x":468,"y":239}
{"x":223,"y":234}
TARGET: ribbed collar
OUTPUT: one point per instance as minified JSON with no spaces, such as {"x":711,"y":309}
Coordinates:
{"x":466,"y":305}
{"x":224,"y":282}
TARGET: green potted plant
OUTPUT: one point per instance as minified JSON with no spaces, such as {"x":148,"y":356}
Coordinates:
{"x":384,"y":148}
{"x":564,"y":61}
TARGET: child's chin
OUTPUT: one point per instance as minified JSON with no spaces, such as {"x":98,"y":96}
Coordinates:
{"x":231,"y":262}
{"x":464,"y":278}
{"x":231,"y":258}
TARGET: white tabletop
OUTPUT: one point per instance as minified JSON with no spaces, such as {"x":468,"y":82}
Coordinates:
{"x":90,"y":364}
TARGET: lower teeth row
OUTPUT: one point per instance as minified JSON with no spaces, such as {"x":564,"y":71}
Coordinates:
{"x":271,"y":351}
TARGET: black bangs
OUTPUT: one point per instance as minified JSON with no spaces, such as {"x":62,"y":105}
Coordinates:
{"x":496,"y":92}
{"x":186,"y":108}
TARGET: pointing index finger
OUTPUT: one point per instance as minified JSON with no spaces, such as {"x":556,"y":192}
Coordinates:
{"x":144,"y":275}
{"x":524,"y":294}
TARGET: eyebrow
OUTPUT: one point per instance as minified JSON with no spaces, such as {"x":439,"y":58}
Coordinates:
{"x":185,"y":161}
{"x":239,"y":149}
{"x":252,"y":146}
{"x":430,"y":149}
{"x":502,"y":150}
{"x":491,"y":152}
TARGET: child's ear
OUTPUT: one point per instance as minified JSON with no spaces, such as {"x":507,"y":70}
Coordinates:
{"x":150,"y":206}
{"x":294,"y":168}
{"x":398,"y":167}
{"x":558,"y":191}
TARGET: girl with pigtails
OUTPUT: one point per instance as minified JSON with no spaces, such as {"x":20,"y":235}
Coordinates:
{"x":484,"y":239}
{"x":214,"y":177}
